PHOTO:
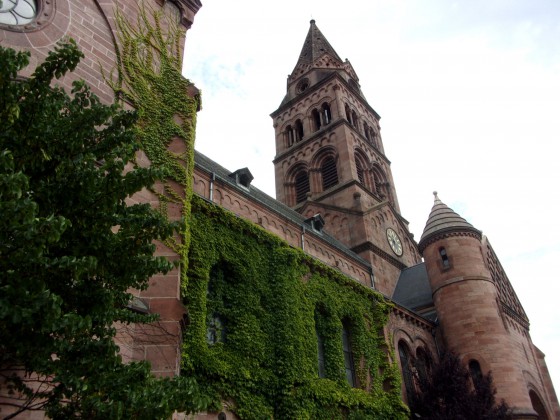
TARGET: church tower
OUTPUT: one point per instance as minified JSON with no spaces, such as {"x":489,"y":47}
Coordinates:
{"x":330,"y":160}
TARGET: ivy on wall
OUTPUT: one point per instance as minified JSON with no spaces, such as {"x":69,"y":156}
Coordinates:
{"x":271,"y":299}
{"x":149,"y":79}
{"x":254,"y":304}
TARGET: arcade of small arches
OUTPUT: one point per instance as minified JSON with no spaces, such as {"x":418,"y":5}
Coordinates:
{"x":372,"y":177}
{"x":323,"y":173}
{"x":371,"y":135}
{"x":321,"y":116}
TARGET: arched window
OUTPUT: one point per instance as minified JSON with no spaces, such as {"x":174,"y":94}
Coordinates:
{"x":366,"y":132}
{"x":329,"y":173}
{"x":215,"y":325}
{"x":422,"y":364}
{"x":348,"y":115}
{"x":362,"y":169}
{"x":404,"y":355}
{"x":379,"y":183}
{"x":476,"y":372}
{"x":348,"y":355}
{"x":302,"y":186}
{"x":320,"y":354}
{"x":444,"y":257}
{"x":359,"y":170}
{"x":354,"y":119}
{"x":320,"y":333}
{"x":538,"y":406}
{"x":299,"y":130}
{"x":215,"y":331}
{"x":373,"y":138}
{"x":326,"y":111}
{"x":289,"y":136}
{"x":316,"y":119}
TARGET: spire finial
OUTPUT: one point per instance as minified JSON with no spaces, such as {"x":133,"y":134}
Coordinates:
{"x":312,"y":21}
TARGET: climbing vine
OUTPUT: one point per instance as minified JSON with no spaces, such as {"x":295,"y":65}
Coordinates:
{"x":273,"y":300}
{"x":149,"y":78}
{"x":255,"y":305}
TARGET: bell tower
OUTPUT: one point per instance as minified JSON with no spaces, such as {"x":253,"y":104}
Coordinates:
{"x":330,"y":160}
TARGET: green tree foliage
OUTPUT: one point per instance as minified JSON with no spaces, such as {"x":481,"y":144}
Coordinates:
{"x":449,"y":393}
{"x":71,"y":249}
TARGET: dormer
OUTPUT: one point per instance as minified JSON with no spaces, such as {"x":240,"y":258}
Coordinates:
{"x":316,"y":222}
{"x":242,"y":177}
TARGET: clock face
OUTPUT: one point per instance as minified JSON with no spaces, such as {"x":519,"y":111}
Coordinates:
{"x":394,"y":242}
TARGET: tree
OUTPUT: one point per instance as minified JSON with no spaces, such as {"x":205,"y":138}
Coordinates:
{"x":71,"y":248}
{"x":448,"y":392}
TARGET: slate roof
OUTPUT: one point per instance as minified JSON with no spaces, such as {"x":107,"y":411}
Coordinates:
{"x":413,"y":291}
{"x":271,"y":203}
{"x":314,"y":46}
{"x":443,"y":219}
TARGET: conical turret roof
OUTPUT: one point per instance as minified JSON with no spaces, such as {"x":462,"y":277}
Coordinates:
{"x":314,"y":46}
{"x":443,"y":219}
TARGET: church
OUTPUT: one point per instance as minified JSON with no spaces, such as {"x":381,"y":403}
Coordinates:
{"x":316,"y":302}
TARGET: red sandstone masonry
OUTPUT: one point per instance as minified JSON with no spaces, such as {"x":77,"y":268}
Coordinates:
{"x":471,"y":322}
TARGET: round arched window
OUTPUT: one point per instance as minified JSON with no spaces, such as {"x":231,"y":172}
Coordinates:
{"x":17,"y":12}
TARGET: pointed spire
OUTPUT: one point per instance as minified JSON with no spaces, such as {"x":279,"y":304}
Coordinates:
{"x":314,"y":46}
{"x":442,"y":220}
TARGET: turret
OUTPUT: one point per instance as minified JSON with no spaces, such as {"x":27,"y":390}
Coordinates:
{"x":467,"y":304}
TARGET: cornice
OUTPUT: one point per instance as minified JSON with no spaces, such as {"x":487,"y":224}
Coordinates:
{"x":450,"y":233}
{"x":317,"y":86}
{"x":413,"y":317}
{"x":514,"y":315}
{"x":306,"y":140}
{"x":321,"y":132}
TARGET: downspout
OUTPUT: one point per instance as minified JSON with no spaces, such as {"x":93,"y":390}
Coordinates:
{"x":303,"y":238}
{"x":212,"y":179}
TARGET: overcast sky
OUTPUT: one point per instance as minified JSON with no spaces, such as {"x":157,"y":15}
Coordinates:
{"x":469,"y":98}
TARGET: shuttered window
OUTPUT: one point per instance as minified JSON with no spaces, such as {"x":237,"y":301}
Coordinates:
{"x":360,"y":171}
{"x":302,"y":186}
{"x":329,"y":173}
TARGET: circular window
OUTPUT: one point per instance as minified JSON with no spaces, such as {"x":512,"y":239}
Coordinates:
{"x":17,"y":12}
{"x":302,"y":85}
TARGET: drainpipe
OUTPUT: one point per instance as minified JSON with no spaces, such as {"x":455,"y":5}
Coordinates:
{"x":303,"y":238}
{"x":212,"y":179}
